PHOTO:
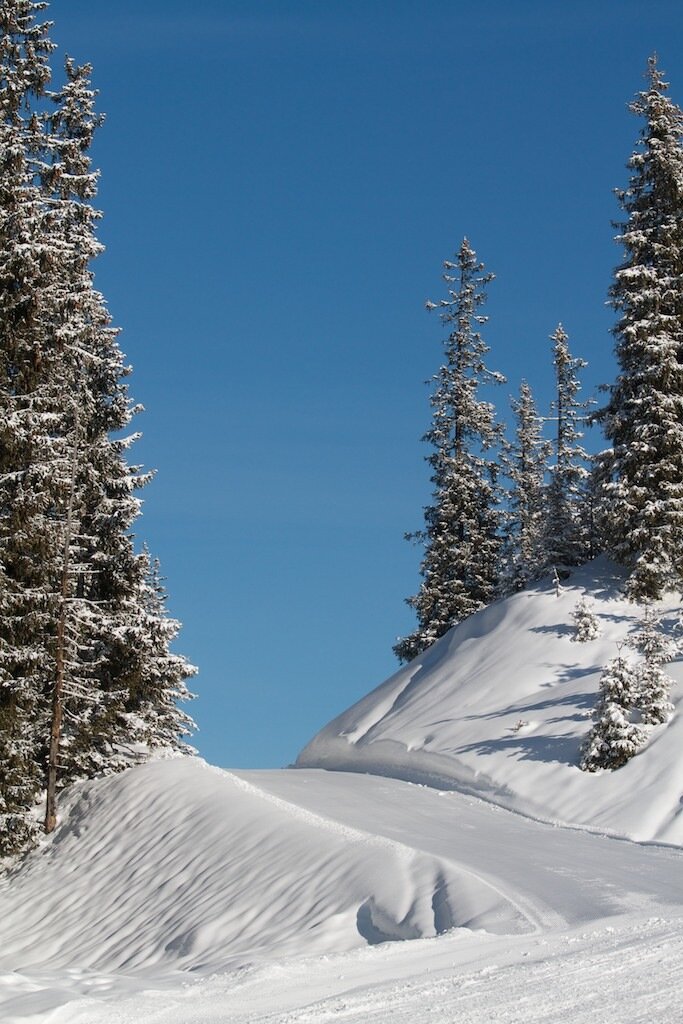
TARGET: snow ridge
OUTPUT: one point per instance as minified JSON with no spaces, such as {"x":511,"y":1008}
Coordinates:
{"x":500,"y":706}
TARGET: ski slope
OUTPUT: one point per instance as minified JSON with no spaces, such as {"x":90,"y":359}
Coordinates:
{"x":181,"y":893}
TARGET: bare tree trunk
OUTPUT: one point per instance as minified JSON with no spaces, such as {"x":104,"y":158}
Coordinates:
{"x":60,"y":654}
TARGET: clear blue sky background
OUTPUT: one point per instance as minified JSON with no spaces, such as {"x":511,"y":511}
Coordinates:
{"x":281,"y":182}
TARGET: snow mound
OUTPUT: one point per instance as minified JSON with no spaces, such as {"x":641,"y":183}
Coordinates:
{"x":180,"y":893}
{"x":500,"y":705}
{"x":177,"y":864}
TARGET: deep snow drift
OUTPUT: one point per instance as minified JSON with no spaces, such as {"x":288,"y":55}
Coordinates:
{"x":177,"y":893}
{"x":499,"y":707}
{"x":196,"y":868}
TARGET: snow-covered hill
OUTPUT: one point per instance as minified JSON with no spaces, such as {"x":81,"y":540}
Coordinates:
{"x":177,"y":893}
{"x":196,"y":868}
{"x":499,"y":707}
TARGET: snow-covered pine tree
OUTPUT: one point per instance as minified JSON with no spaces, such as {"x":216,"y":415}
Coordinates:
{"x":461,"y":533}
{"x":74,"y":603}
{"x":654,"y":692}
{"x":28,"y":450}
{"x":125,"y":678}
{"x":566,"y":536}
{"x":653,"y":684}
{"x":105,"y":484}
{"x":642,"y":505}
{"x":592,"y":493}
{"x":523,"y":462}
{"x":156,"y":676}
{"x":614,"y":738}
{"x":651,"y":641}
{"x":585,"y":622}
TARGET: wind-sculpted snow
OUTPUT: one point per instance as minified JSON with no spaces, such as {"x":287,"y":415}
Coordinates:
{"x":177,"y":893}
{"x":499,"y":707}
{"x":178,"y":866}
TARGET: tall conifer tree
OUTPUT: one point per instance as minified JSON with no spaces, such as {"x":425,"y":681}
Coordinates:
{"x":461,"y":533}
{"x":524,"y":464}
{"x":615,"y":738}
{"x":566,"y":533}
{"x":29,"y":451}
{"x":85,"y":665}
{"x":642,"y":507}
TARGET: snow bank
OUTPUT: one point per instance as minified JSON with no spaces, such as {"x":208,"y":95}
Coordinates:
{"x":500,"y":705}
{"x":180,"y":893}
{"x":177,"y":864}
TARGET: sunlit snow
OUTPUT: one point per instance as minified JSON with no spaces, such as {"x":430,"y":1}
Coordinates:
{"x":180,"y":893}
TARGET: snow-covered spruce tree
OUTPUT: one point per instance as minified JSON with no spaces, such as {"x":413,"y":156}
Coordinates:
{"x":523,"y":462}
{"x":592,"y":499}
{"x":461,"y":533}
{"x":95,"y":695}
{"x":27,"y":451}
{"x":653,"y":684}
{"x":642,"y":506}
{"x":585,"y":622}
{"x":566,"y":534}
{"x":156,"y":676}
{"x":125,"y":678}
{"x":74,"y":604}
{"x":614,"y":738}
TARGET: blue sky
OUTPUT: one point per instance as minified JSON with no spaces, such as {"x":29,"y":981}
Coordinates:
{"x":281,"y":183}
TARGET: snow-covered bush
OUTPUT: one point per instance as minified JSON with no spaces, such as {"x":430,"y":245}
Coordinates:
{"x":653,"y":684}
{"x":650,"y":640}
{"x":652,"y":700}
{"x":614,"y":738}
{"x":585,"y":621}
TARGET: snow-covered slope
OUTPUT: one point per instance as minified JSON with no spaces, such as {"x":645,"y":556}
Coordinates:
{"x":499,"y":707}
{"x":177,"y":893}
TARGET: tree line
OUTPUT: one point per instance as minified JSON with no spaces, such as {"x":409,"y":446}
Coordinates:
{"x":88,"y":680}
{"x":505,"y":512}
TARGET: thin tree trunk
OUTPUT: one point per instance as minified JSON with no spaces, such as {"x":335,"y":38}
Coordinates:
{"x":60,"y":655}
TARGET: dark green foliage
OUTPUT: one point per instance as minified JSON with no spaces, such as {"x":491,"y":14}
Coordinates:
{"x":524,"y":462}
{"x":461,"y":534}
{"x":615,"y":738}
{"x":642,"y":471}
{"x":74,"y":592}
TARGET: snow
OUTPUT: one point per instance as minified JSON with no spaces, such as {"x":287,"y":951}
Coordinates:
{"x":184,"y":894}
{"x":501,"y":704}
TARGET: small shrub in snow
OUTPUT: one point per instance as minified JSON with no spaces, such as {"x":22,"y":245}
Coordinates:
{"x":652,"y":700}
{"x":520,"y":724}
{"x":653,"y":684}
{"x":585,"y":621}
{"x":655,"y":646}
{"x":614,"y":738}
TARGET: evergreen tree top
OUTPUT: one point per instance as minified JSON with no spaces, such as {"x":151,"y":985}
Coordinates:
{"x":25,"y":49}
{"x":642,"y":471}
{"x":466,"y":281}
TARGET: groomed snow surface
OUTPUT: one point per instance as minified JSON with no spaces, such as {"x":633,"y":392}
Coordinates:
{"x":487,"y":880}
